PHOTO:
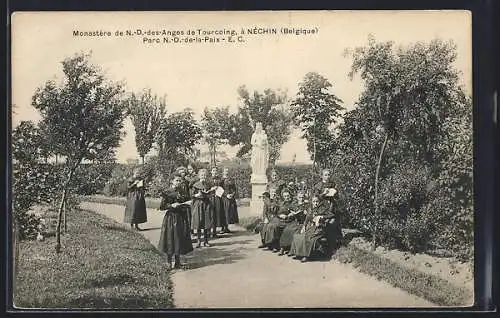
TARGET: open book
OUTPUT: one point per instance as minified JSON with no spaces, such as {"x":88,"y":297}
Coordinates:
{"x":292,"y":213}
{"x":219,"y":191}
{"x":330,"y":192}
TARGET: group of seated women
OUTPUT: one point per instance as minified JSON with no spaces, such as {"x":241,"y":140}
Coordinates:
{"x":297,"y":227}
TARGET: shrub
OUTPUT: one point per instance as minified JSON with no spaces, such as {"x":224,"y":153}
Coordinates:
{"x":402,"y":195}
{"x":91,"y":178}
{"x":117,"y":183}
{"x":32,"y":184}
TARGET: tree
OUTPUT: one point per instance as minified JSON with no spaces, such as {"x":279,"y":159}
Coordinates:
{"x":82,"y":117}
{"x":219,"y":127}
{"x":269,"y":109}
{"x":315,"y":110}
{"x":177,"y":135}
{"x":147,"y":112}
{"x":408,"y":93}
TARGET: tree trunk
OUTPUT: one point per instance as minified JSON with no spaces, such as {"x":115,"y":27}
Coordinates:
{"x":64,"y":216}
{"x":142,"y":159}
{"x":213,"y":158}
{"x":61,"y":209}
{"x":377,"y":176}
{"x":314,"y":155}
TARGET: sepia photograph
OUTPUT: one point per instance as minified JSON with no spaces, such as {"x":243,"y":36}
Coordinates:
{"x":245,"y":160}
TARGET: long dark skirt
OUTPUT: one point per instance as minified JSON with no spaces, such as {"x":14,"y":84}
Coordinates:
{"x":201,"y":215}
{"x":273,"y":232}
{"x":263,"y":232}
{"x":189,"y":216}
{"x":287,"y":235}
{"x":135,"y":210}
{"x":231,"y":210}
{"x":219,"y":214}
{"x":175,"y":238}
{"x":312,"y":242}
{"x":334,"y":235}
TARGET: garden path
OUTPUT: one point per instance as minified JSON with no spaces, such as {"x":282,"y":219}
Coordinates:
{"x":234,"y":273}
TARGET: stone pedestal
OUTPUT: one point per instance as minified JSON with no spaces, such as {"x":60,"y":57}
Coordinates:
{"x":259,"y":184}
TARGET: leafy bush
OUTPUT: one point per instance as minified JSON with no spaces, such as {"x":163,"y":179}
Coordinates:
{"x":91,"y":178}
{"x":402,"y":195}
{"x":32,"y":182}
{"x":117,"y":183}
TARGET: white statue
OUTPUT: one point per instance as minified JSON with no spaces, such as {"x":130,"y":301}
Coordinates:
{"x":259,"y":160}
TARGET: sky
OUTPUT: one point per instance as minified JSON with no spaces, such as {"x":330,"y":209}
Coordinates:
{"x":199,"y":75}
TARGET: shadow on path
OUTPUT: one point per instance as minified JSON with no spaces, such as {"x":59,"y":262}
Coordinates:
{"x":224,"y":249}
{"x":213,"y":255}
{"x":150,"y":229}
{"x":229,"y":243}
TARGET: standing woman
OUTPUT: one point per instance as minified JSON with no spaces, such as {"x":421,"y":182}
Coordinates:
{"x":217,"y":205}
{"x":229,"y":200}
{"x":184,"y":188}
{"x":175,"y":239}
{"x":135,"y":210}
{"x":191,"y":178}
{"x":322,"y":190}
{"x":202,"y":214}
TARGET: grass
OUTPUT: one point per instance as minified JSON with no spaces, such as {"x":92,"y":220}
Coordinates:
{"x":430,"y":287}
{"x":102,"y":265}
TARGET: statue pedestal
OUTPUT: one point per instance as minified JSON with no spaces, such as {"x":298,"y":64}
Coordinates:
{"x":259,"y":185}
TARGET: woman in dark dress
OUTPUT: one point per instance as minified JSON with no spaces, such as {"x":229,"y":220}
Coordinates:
{"x":269,"y":211}
{"x":321,"y":190}
{"x":313,"y":237}
{"x":275,"y":227}
{"x":191,"y":178}
{"x":200,"y":208}
{"x":296,"y":220}
{"x":135,"y":210}
{"x":217,"y":205}
{"x":175,"y":239}
{"x":229,"y":200}
{"x":185,"y":188}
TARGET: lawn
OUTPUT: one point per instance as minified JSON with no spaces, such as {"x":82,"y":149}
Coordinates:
{"x":102,"y":265}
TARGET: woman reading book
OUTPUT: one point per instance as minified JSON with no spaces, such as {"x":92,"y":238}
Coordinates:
{"x":202,"y":218}
{"x":175,"y":238}
{"x":135,"y":210}
{"x":296,"y":220}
